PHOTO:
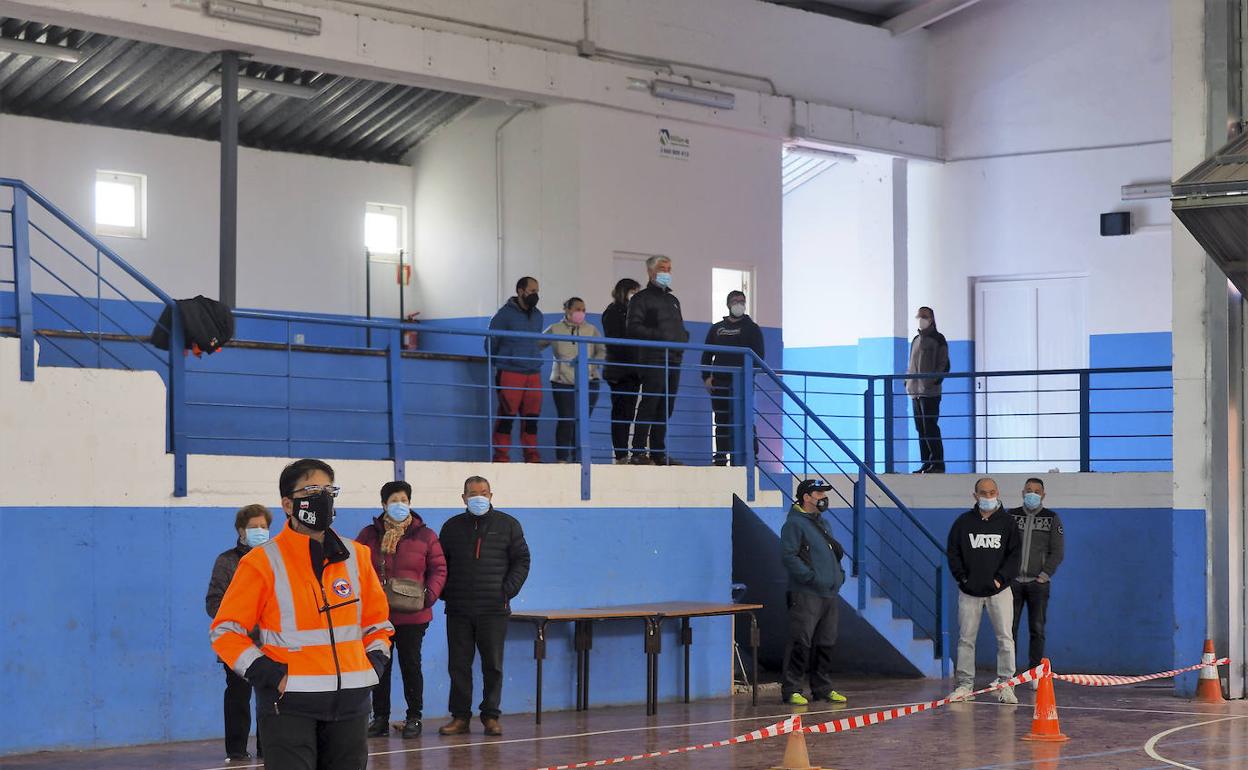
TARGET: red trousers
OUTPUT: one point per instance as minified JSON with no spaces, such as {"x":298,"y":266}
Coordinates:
{"x":519,"y":394}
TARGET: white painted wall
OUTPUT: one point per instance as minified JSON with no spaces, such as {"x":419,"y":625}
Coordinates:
{"x":581,"y":183}
{"x":301,"y":218}
{"x":1022,"y":84}
{"x":838,"y":255}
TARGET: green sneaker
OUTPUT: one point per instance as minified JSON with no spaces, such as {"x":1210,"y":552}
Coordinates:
{"x":797,"y":699}
{"x":836,"y":697}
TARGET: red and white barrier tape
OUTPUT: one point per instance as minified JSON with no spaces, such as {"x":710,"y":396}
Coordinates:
{"x":1105,"y":680}
{"x":792,"y":724}
{"x":862,"y":720}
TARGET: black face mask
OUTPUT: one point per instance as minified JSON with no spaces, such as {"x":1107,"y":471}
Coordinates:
{"x":821,"y":505}
{"x":315,"y":512}
{"x":531,"y":301}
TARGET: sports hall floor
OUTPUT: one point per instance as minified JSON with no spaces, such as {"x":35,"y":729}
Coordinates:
{"x":1108,"y":727}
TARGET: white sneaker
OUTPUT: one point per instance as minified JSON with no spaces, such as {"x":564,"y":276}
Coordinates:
{"x":962,"y":693}
{"x":1006,"y":695}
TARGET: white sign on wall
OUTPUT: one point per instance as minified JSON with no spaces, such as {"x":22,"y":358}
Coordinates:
{"x":672,"y":145}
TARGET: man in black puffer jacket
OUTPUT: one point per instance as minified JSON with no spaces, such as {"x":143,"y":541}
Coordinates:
{"x":487,"y":562}
{"x":654,"y":314}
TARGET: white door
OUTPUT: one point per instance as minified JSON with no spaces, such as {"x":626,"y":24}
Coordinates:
{"x":1028,"y":423}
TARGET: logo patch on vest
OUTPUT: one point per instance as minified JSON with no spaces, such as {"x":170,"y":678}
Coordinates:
{"x":343,"y":588}
{"x":985,"y":541}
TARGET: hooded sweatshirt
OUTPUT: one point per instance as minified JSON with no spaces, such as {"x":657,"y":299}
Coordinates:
{"x":983,"y":550}
{"x":929,"y":352}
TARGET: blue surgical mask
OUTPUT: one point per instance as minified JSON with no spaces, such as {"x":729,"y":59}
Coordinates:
{"x":256,"y":536}
{"x":987,"y":504}
{"x":1031,"y":501}
{"x":398,"y":511}
{"x":478,"y":505}
{"x":663,"y":279}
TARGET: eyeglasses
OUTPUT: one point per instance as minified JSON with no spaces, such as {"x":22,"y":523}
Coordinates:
{"x":316,"y":489}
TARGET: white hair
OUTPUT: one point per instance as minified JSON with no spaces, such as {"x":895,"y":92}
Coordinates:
{"x":653,"y":262}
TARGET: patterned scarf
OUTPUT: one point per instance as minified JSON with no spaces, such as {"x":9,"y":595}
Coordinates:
{"x":394,"y":531}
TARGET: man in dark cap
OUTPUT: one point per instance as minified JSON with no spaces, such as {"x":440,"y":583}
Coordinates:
{"x":812,"y":557}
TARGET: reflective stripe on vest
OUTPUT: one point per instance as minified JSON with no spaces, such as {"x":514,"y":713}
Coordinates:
{"x":248,"y":656}
{"x":281,"y":585}
{"x":295,"y":640}
{"x":329,"y":682}
{"x":353,"y":576}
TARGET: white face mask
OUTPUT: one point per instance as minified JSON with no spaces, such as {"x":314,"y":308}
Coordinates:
{"x":736,"y":311}
{"x":925,"y":324}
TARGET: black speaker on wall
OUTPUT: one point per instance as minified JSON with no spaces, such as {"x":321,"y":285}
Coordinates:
{"x":1116,"y":223}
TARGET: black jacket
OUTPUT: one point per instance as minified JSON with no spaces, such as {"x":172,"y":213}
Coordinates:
{"x":1043,"y":542}
{"x":654,"y":314}
{"x":222,"y":573}
{"x":741,"y":333}
{"x":981,"y":551}
{"x":487,"y":562}
{"x":615,"y":324}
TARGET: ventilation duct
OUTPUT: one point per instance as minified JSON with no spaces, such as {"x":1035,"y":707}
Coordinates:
{"x":1211,"y":201}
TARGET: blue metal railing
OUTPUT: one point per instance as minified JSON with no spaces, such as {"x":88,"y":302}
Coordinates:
{"x":39,"y":232}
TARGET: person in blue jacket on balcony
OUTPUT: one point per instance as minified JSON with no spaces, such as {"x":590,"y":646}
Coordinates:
{"x":812,"y":557}
{"x":517,"y":372}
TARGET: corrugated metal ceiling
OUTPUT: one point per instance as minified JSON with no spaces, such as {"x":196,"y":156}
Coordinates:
{"x":128,"y":84}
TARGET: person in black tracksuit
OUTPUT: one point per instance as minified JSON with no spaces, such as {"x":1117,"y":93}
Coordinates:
{"x":654,"y":314}
{"x":625,"y":380}
{"x":735,"y":330}
{"x":252,"y":524}
{"x":1043,"y":548}
{"x":487,"y":562}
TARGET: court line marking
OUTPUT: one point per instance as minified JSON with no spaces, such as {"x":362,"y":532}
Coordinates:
{"x":1112,"y":708}
{"x":1150,"y":746}
{"x":764,"y":718}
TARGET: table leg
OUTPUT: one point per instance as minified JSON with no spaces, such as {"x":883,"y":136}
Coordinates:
{"x":576,"y":645}
{"x":589,"y":645}
{"x":686,"y":640}
{"x":654,"y":646}
{"x":539,"y":654}
{"x":754,"y":639}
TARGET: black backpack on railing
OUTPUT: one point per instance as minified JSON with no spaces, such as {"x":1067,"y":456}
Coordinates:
{"x":207,"y":325}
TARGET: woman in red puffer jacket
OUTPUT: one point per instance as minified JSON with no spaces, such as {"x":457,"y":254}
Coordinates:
{"x":408,"y":559}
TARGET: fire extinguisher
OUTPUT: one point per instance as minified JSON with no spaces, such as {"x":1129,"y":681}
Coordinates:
{"x":409,"y":337}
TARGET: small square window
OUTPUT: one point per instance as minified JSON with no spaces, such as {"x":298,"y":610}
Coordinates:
{"x":120,"y":204}
{"x":383,"y":230}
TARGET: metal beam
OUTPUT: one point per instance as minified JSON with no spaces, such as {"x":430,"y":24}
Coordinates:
{"x":229,"y":177}
{"x":925,"y":15}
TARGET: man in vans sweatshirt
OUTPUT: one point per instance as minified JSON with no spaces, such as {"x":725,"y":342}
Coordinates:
{"x":984,"y":550}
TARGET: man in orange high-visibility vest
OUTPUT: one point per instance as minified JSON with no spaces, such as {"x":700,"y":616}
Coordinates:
{"x":324,"y":631}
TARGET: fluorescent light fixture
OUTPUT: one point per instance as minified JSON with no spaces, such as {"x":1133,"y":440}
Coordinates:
{"x":44,"y":50}
{"x":683,"y":92}
{"x":261,"y":16}
{"x":1137,"y":192}
{"x":276,"y":87}
{"x":815,"y":152}
{"x":638,"y":84}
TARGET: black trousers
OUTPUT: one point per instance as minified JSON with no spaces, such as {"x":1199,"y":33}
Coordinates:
{"x":658,"y":400}
{"x":408,"y":639}
{"x":237,"y":713}
{"x":926,"y":422}
{"x":467,"y":635}
{"x":565,"y":407}
{"x":303,"y":743}
{"x":623,"y":411}
{"x":1035,"y":596}
{"x":812,"y":635}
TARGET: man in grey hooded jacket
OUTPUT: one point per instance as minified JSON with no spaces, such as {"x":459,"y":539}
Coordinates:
{"x":929,"y":354}
{"x":812,"y":557}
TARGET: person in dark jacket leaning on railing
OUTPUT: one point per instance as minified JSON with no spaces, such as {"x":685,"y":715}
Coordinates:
{"x":983,"y":551}
{"x":812,"y":557}
{"x":252,"y":524}
{"x":487,"y":562}
{"x":654,"y":314}
{"x":624,"y":379}
{"x":517,"y":372}
{"x":1043,"y":548}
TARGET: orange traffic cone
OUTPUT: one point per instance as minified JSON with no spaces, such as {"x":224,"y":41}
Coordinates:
{"x":795,"y":755}
{"x":1044,"y":724}
{"x":1208,"y":687}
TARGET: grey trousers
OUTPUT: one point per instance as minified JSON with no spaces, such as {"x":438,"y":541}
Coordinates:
{"x":1001,"y":614}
